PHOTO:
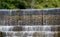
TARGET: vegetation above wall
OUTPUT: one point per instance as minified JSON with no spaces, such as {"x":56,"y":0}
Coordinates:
{"x":24,"y":4}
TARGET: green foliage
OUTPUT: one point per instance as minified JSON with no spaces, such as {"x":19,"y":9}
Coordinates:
{"x":47,"y":4}
{"x":24,"y":4}
{"x":12,"y":4}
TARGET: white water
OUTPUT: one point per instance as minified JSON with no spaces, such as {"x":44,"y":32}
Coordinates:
{"x":28,"y":31}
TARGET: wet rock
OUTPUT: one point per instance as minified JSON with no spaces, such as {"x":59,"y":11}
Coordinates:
{"x":58,"y":34}
{"x":17,"y":28}
{"x":2,"y":34}
{"x":38,"y":34}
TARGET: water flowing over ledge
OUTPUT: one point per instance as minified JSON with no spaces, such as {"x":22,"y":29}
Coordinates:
{"x":30,"y":22}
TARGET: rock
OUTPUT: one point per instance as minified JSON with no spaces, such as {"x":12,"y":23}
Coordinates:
{"x":2,"y":34}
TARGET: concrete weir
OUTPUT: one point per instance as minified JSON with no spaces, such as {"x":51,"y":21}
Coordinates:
{"x":30,"y":22}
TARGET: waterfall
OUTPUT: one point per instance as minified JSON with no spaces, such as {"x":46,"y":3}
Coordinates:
{"x":37,"y":28}
{"x":6,"y":28}
{"x":28,"y":31}
{"x":26,"y":28}
{"x":32,"y":24}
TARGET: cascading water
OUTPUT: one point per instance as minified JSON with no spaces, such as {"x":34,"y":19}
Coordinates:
{"x":31,"y":24}
{"x":28,"y":31}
